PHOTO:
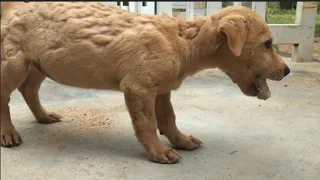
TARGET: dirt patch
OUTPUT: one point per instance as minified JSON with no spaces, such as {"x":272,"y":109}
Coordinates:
{"x":287,"y":49}
{"x":80,"y":118}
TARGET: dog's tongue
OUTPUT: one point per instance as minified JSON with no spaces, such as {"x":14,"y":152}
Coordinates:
{"x":263,"y":89}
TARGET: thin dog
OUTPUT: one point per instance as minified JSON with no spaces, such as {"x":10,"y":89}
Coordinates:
{"x":94,"y":45}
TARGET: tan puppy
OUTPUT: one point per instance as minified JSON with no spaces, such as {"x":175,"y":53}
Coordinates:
{"x":93,"y":45}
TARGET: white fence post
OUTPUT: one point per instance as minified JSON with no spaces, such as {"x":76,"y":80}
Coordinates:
{"x":260,"y":8}
{"x":213,"y":7}
{"x":164,"y":7}
{"x":148,"y":9}
{"x":190,"y":9}
{"x":132,"y":7}
{"x":111,"y":3}
{"x":124,"y":7}
{"x":306,"y":14}
{"x":237,"y":3}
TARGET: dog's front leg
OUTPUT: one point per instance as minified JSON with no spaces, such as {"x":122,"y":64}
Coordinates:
{"x":167,"y":125}
{"x":141,"y":106}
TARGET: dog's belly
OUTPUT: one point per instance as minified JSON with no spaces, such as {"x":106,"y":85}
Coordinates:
{"x":87,"y":82}
{"x":83,"y":77}
{"x":79,"y":66}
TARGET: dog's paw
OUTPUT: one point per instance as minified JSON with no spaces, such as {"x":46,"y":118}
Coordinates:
{"x":50,"y":118}
{"x":10,"y":137}
{"x":165,"y":156}
{"x":188,"y":143}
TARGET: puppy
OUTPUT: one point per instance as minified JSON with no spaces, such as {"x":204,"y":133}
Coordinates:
{"x":94,"y":45}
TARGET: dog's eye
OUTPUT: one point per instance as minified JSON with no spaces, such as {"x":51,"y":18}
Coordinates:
{"x":268,"y":44}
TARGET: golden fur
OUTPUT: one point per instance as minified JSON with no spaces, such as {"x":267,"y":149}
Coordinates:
{"x":7,"y":6}
{"x":94,"y":45}
{"x":5,"y":9}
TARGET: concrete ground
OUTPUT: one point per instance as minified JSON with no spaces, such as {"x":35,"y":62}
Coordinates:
{"x":244,"y":138}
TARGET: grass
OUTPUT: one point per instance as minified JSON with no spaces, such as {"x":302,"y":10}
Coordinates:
{"x":275,"y":15}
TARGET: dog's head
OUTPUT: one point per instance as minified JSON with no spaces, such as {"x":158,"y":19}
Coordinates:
{"x":248,"y":56}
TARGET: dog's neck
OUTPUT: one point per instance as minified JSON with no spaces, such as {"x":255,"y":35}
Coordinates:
{"x":204,"y":42}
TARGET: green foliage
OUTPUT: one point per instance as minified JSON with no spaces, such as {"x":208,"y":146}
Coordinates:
{"x":275,"y":15}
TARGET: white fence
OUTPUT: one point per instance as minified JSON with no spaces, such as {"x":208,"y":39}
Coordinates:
{"x":300,"y":34}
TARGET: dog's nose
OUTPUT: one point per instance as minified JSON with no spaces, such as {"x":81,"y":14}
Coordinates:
{"x":286,"y":71}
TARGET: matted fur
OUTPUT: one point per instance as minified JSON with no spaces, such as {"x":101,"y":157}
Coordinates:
{"x":94,"y":45}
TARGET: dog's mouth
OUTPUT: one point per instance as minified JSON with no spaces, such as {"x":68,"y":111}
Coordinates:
{"x":258,"y":88}
{"x":262,"y":88}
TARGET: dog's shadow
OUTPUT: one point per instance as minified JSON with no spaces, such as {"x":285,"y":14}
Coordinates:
{"x":60,"y":139}
{"x":55,"y":141}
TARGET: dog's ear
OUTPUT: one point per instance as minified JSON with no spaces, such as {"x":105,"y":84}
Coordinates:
{"x":235,"y":30}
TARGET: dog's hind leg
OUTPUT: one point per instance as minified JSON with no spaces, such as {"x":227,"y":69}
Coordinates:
{"x":13,"y":71}
{"x":167,"y":125}
{"x":29,"y":89}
